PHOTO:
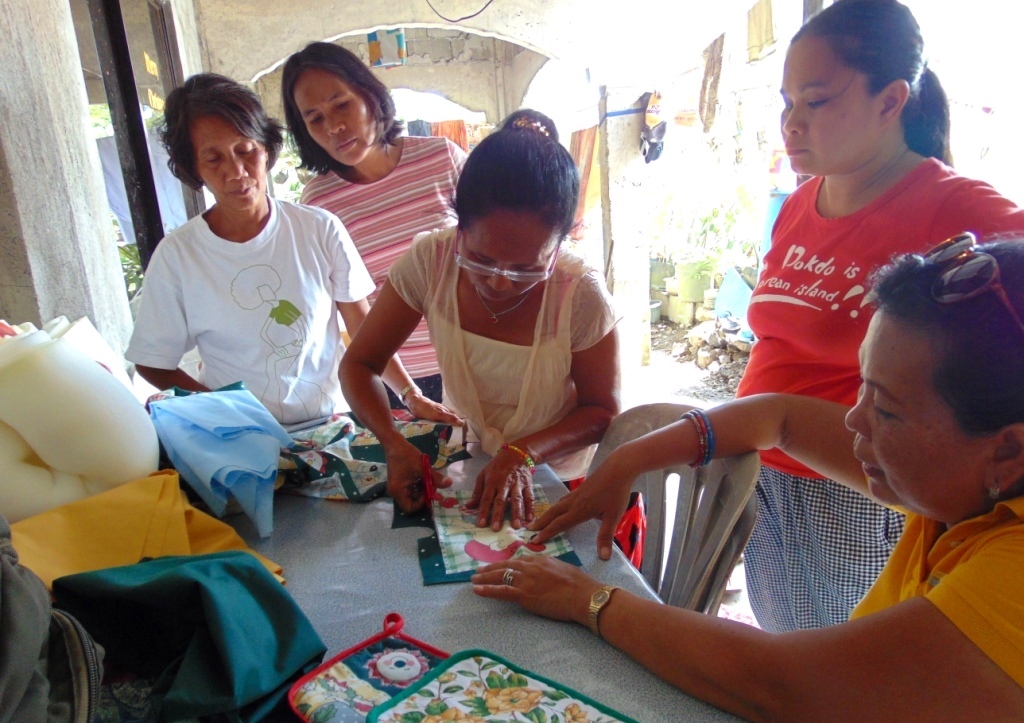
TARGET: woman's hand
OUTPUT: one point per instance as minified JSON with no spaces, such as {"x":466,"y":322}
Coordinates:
{"x":604,"y":496}
{"x":405,"y":477}
{"x":425,"y":408}
{"x":542,"y":585}
{"x":506,"y":481}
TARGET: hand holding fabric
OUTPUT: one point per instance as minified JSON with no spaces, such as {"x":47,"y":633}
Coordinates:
{"x":405,"y":476}
{"x":603,"y":496}
{"x":541,"y":585}
{"x":505,"y":481}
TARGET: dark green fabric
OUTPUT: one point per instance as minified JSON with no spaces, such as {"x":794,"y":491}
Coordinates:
{"x":218,"y":633}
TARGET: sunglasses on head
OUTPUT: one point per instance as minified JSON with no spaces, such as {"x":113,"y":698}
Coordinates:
{"x":966,"y":273}
{"x":486,"y":270}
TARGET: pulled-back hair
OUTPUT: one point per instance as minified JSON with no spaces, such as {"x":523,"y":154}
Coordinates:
{"x":520,"y":167}
{"x":208,"y":95}
{"x":882,"y":40}
{"x":354,"y":73}
{"x":980,"y":366}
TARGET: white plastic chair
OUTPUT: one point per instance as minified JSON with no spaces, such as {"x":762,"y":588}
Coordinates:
{"x":712,"y":520}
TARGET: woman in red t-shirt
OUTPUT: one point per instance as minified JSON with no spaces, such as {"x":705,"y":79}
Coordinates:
{"x":870,"y":122}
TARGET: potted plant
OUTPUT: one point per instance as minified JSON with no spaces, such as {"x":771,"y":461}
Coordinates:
{"x":698,"y":260}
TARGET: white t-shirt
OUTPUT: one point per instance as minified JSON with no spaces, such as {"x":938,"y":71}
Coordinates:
{"x":506,"y":391}
{"x":261,"y":312}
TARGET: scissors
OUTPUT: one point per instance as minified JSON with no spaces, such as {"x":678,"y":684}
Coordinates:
{"x":429,"y":490}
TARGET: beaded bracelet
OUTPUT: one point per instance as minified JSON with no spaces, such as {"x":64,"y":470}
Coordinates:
{"x":406,"y":390}
{"x":525,"y":455}
{"x":705,"y":437}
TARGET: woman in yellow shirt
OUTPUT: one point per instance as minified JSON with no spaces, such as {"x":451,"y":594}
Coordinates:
{"x":938,"y":430}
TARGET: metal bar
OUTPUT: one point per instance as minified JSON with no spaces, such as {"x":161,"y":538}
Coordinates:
{"x":126,"y":117}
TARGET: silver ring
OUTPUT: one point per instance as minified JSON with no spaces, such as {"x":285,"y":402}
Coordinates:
{"x":507,"y":577}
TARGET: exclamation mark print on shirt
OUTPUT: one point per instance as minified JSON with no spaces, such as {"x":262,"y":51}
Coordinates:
{"x":858,"y":289}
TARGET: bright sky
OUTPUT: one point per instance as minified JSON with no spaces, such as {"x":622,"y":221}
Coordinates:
{"x":974,"y":48}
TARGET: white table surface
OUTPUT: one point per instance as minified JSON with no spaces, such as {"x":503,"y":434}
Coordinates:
{"x":347,"y":569}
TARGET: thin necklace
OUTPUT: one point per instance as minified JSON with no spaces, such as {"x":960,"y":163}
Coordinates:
{"x":496,"y":314}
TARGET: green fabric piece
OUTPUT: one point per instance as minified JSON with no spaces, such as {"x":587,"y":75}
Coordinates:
{"x":421,"y":518}
{"x":217,"y":633}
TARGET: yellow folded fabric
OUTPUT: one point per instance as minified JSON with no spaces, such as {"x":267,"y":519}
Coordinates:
{"x":149,"y":517}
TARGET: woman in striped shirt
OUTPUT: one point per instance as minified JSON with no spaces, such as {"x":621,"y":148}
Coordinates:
{"x":384,"y":187}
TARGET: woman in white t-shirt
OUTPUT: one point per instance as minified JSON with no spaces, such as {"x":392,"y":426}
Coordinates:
{"x":256,"y":284}
{"x":525,"y":335}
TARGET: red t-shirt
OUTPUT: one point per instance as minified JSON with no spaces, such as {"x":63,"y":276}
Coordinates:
{"x":808,"y":310}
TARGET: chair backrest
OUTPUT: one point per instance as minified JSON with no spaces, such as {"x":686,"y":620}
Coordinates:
{"x":711,"y":522}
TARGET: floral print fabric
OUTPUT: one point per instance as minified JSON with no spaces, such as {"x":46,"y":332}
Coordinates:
{"x":347,"y":690}
{"x":476,"y":686}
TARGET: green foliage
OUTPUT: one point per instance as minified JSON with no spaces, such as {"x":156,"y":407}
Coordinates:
{"x":287,"y":177}
{"x":131,"y":267}
{"x":99,"y":116}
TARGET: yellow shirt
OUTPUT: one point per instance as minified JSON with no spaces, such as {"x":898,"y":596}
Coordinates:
{"x":972,"y":572}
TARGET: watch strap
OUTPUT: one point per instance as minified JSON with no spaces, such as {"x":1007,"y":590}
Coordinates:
{"x":597,"y":603}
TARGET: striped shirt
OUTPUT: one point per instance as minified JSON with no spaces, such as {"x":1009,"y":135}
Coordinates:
{"x":383,"y":217}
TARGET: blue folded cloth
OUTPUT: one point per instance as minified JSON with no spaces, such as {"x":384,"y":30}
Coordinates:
{"x":224,"y":443}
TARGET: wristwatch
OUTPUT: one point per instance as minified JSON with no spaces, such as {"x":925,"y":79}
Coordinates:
{"x":598,"y":600}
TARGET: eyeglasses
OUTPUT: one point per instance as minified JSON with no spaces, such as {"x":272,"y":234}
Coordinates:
{"x":966,"y":273}
{"x":526,"y":277}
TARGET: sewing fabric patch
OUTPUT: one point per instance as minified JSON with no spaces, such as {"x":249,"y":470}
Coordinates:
{"x":465,"y":547}
{"x":340,"y":460}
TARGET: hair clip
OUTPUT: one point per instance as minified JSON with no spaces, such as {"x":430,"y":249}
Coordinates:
{"x":532,"y":124}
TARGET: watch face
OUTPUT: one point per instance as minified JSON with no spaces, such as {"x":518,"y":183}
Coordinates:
{"x":600,"y":597}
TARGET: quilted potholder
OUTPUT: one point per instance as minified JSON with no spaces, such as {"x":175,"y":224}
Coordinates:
{"x":349,"y":685}
{"x":478,"y":686}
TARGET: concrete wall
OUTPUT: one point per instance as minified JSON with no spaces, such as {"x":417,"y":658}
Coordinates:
{"x":184,"y":13}
{"x":626,"y":211}
{"x":57,"y":254}
{"x":614,"y":38}
{"x":477,"y":72}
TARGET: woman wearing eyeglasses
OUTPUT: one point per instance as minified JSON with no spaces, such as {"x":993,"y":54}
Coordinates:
{"x":937,"y":430}
{"x":524,"y":331}
{"x":866,"y":117}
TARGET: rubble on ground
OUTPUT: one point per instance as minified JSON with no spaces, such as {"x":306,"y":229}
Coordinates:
{"x":714,"y":346}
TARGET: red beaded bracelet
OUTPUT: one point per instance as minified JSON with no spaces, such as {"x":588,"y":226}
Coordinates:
{"x":525,"y":455}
